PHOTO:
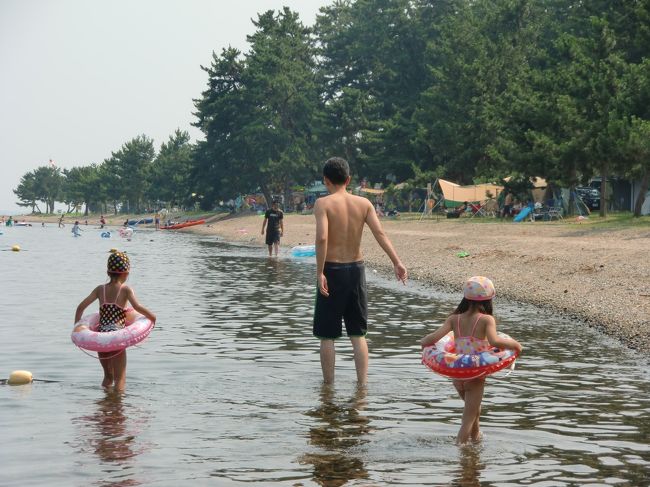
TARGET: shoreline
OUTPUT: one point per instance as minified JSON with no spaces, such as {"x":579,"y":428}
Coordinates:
{"x":598,"y":276}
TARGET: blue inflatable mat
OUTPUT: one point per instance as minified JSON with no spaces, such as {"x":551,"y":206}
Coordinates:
{"x":522,"y":214}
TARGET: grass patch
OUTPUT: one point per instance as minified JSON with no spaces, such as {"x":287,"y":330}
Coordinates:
{"x":617,"y":220}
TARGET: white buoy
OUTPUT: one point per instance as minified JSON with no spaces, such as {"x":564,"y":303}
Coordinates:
{"x":20,"y":378}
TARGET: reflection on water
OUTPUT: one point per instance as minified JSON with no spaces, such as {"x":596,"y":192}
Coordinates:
{"x":340,"y":427}
{"x":470,"y":466}
{"x":226,"y":391}
{"x":109,"y":433}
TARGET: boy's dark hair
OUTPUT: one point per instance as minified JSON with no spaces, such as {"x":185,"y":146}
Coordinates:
{"x":337,"y":170}
{"x":484,"y":307}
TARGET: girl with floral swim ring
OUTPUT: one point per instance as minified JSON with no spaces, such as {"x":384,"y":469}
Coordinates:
{"x":475,"y":331}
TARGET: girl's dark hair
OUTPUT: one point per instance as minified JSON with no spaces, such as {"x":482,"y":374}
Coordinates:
{"x":114,"y":275}
{"x":336,"y":170}
{"x":484,"y":307}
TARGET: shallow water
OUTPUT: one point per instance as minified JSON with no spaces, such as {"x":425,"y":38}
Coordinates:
{"x":227,"y":389}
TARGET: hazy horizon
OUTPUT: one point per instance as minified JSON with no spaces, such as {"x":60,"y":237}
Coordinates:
{"x":82,"y":77}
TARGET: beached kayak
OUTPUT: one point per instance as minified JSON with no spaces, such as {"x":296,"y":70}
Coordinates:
{"x":176,"y":226}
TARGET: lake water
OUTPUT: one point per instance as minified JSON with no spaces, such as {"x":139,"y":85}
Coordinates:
{"x":227,"y":389}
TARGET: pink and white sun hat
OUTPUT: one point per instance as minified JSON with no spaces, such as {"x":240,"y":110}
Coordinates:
{"x":479,"y":288}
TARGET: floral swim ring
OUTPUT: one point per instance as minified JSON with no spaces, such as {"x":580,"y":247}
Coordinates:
{"x":443,"y":359}
{"x":85,"y":334}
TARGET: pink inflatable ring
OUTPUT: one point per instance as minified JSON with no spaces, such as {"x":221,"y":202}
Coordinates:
{"x":85,"y":334}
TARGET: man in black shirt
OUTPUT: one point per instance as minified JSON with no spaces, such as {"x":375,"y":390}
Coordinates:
{"x":275,"y":228}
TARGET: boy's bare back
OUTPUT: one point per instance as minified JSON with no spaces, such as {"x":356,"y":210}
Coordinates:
{"x":343,"y":216}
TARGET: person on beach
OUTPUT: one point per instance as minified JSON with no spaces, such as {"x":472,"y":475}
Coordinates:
{"x":113,"y":298}
{"x":475,"y":331}
{"x":275,"y":228}
{"x":340,"y":274}
{"x":61,"y":224}
{"x":102,"y":221}
{"x":507,"y":205}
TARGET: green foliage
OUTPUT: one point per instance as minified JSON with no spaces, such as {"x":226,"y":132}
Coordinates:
{"x":44,"y":184}
{"x":169,"y":176}
{"x":261,"y":112}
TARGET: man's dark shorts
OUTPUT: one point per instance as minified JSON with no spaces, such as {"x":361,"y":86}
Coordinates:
{"x":272,"y":237}
{"x":347,"y":301}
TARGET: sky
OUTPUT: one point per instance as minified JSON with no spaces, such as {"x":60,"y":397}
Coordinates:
{"x":78,"y":78}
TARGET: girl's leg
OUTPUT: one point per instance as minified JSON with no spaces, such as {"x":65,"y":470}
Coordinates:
{"x":460,"y":388}
{"x":107,"y":365}
{"x":469,"y":427}
{"x":119,"y":369}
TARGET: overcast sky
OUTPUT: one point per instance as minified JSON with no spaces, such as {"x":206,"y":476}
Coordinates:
{"x":78,"y":78}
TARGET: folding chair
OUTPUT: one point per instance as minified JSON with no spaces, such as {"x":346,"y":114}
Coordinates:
{"x":477,"y":209}
{"x":555,"y":212}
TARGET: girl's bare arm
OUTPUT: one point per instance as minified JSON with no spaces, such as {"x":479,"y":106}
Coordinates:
{"x":497,"y":341}
{"x":432,"y":338}
{"x":85,"y":303}
{"x":138,"y":307}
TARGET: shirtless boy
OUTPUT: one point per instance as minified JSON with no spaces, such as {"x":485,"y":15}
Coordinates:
{"x":340,"y":218}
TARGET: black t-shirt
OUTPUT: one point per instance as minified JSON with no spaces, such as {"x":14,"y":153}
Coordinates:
{"x":274,"y":217}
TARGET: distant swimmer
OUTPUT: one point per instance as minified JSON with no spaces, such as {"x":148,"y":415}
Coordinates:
{"x":76,"y":229}
{"x":340,"y":273}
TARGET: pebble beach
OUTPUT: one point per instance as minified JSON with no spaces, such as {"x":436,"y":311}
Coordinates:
{"x":598,"y":276}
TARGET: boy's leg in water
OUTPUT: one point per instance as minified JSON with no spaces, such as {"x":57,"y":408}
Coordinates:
{"x":472,"y":410}
{"x":276,"y":247}
{"x":270,"y":250}
{"x":119,"y":370}
{"x":360,"y":347}
{"x":327,"y":360}
{"x":107,"y":365}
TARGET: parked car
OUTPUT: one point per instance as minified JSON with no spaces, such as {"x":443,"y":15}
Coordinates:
{"x":589,"y":196}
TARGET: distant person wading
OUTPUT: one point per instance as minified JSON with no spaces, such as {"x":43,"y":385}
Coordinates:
{"x":273,"y":221}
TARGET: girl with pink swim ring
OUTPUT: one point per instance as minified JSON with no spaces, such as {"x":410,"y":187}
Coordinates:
{"x":475,"y":331}
{"x":113,"y":317}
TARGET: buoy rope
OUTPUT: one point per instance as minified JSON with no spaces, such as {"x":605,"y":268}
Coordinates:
{"x":98,"y":357}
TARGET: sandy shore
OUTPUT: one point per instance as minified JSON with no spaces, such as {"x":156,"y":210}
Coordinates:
{"x":596,"y":275}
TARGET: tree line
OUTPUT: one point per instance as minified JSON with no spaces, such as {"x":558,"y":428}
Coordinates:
{"x":133,"y":179}
{"x":468,"y":90}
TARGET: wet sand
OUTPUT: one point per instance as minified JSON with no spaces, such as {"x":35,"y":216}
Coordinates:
{"x":595,"y":275}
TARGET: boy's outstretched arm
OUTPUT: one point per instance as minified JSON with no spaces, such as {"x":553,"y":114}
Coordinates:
{"x":384,"y":242}
{"x":322,"y":226}
{"x":85,"y":303}
{"x":139,"y":308}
